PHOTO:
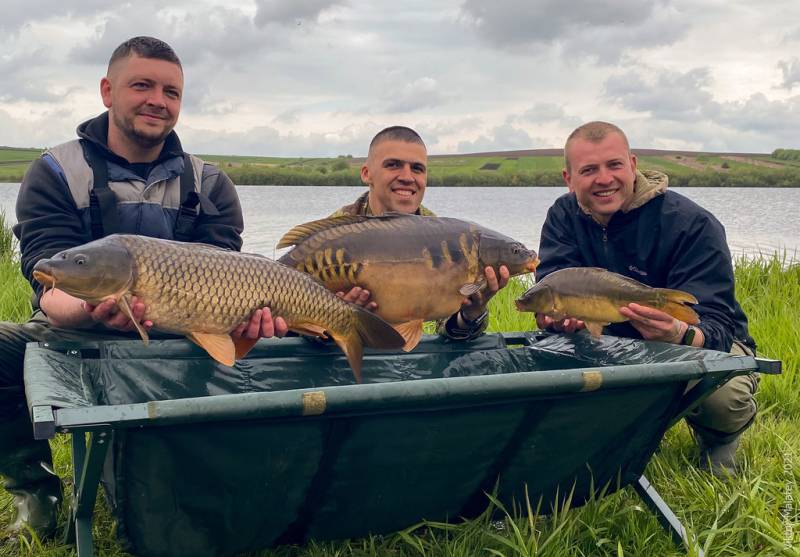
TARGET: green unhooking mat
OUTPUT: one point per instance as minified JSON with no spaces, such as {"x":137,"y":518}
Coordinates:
{"x":209,"y":460}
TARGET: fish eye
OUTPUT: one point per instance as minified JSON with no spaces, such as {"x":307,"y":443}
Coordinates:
{"x":80,"y":259}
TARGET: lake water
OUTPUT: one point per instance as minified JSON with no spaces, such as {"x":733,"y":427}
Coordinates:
{"x":756,"y":219}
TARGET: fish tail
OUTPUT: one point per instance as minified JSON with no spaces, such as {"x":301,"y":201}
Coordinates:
{"x":675,"y":305}
{"x":369,"y":330}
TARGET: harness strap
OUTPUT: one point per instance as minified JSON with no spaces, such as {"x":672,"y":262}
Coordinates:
{"x":187,"y":213}
{"x":102,"y":200}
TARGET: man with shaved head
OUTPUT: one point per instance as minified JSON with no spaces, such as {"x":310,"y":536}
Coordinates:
{"x":625,"y":220}
{"x":396,"y":172}
{"x":126,"y":173}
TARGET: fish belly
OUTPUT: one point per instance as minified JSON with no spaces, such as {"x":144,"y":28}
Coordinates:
{"x":411,"y":291}
{"x":600,"y":310}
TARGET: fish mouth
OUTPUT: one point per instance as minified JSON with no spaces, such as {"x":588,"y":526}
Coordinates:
{"x":531,"y":266}
{"x":520,"y":305}
{"x":44,"y":278}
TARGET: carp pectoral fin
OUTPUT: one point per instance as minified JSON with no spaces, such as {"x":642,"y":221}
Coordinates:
{"x":472,"y":287}
{"x":411,"y":332}
{"x":218,"y":345}
{"x":309,"y":329}
{"x":126,"y":309}
{"x":682,"y":312}
{"x":596,"y":329}
{"x":243,"y":346}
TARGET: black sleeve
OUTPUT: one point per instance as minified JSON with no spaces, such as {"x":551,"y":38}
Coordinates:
{"x":701,"y":264}
{"x":225,"y":229}
{"x":558,"y":247}
{"x":47,"y":217}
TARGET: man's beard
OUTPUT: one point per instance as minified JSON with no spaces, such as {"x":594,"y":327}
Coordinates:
{"x":142,"y":140}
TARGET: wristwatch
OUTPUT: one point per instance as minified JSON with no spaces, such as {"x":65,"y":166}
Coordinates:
{"x":688,"y":336}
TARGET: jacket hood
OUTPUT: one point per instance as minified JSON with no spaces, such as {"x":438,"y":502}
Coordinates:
{"x":95,"y":131}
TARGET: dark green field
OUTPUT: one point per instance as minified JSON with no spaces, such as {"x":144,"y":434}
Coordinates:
{"x":512,"y":168}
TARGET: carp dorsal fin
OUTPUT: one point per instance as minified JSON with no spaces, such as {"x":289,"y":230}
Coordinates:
{"x":596,"y":329}
{"x":472,"y":287}
{"x":303,"y":231}
{"x":411,"y":332}
{"x":126,"y":309}
{"x":218,"y":345}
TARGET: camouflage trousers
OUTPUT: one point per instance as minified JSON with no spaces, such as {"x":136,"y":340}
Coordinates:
{"x":730,"y":410}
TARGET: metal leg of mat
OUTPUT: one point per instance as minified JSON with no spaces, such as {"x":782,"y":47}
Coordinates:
{"x":87,"y":461}
{"x":665,"y":516}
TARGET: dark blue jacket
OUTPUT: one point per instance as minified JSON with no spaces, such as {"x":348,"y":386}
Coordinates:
{"x":669,"y":242}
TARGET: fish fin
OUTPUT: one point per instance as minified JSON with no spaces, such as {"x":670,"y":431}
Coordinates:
{"x":218,"y":345}
{"x":243,"y":346}
{"x":126,"y":309}
{"x":353,"y":350}
{"x":309,"y":329}
{"x":678,"y":296}
{"x":411,"y":332}
{"x":682,"y":312}
{"x":596,"y":329}
{"x":472,"y":287}
{"x":303,"y":231}
{"x":369,"y":330}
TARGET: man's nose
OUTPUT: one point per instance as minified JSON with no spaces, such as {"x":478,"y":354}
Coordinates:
{"x":157,"y":97}
{"x":406,"y":174}
{"x":604,"y":176}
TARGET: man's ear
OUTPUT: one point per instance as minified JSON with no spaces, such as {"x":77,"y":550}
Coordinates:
{"x":105,"y":92}
{"x":634,"y":162}
{"x":365,"y":174}
{"x":567,"y":177}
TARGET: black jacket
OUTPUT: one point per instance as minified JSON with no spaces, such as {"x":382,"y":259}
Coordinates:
{"x":48,"y":219}
{"x":668,"y":242}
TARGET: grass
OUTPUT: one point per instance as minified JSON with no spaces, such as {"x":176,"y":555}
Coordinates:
{"x":465,"y":170}
{"x":754,"y":514}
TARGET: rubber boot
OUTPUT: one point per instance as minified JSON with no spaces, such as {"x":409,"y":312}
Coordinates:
{"x":717,"y":452}
{"x":27,"y":467}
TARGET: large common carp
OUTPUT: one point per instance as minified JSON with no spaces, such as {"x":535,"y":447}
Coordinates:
{"x":416,"y":268}
{"x":205,"y":292}
{"x":595,"y":295}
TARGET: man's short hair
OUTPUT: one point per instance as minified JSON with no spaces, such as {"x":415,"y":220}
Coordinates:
{"x":595,"y":132}
{"x":145,"y":47}
{"x":396,"y":133}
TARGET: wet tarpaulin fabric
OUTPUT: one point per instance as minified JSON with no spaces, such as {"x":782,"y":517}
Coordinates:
{"x":284,"y":448}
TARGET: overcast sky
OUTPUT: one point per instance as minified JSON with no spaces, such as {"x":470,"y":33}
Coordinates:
{"x":320,"y":77}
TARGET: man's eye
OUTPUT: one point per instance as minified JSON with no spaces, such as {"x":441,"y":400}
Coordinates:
{"x":172,"y":94}
{"x":392,"y":164}
{"x":418,"y":168}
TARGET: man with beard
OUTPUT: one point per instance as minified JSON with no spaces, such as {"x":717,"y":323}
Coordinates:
{"x":126,"y":173}
{"x":396,"y":172}
{"x":627,"y":221}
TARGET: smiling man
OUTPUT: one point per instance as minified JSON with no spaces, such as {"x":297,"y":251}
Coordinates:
{"x":126,"y":173}
{"x":622,"y":219}
{"x":396,"y":171}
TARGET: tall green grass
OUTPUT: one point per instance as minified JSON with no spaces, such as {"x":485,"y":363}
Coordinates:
{"x":754,"y":514}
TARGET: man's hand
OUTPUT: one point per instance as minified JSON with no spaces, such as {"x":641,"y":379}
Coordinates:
{"x":474,"y":306}
{"x":261,"y":325}
{"x":567,"y":325}
{"x":654,"y":324}
{"x":360,"y":297}
{"x":108,"y":313}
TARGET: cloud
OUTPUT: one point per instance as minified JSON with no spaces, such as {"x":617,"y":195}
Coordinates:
{"x":17,"y":14}
{"x":791,"y":72}
{"x":599,"y":29}
{"x":670,"y":95}
{"x":420,"y":93}
{"x":293,"y":12}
